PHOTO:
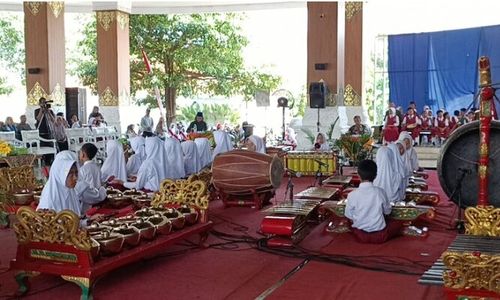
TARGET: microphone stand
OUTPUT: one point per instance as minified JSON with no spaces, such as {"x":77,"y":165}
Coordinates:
{"x":459,"y":223}
{"x":289,"y":187}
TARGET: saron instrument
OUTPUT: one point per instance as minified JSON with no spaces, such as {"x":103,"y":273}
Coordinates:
{"x":306,"y":162}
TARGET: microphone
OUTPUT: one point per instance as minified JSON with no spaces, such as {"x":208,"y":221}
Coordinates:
{"x":317,"y":146}
{"x":293,"y":173}
{"x":322,"y":164}
{"x":465,"y":171}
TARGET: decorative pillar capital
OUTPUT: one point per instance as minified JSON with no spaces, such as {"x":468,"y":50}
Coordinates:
{"x":56,"y":7}
{"x":106,"y":18}
{"x":34,"y":7}
{"x":36,"y":93}
{"x":352,"y":8}
{"x":108,"y":98}
{"x":351,"y":97}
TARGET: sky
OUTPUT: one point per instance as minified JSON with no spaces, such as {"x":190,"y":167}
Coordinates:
{"x":278,"y":39}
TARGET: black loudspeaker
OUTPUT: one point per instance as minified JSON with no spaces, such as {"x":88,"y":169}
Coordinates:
{"x":320,"y":66}
{"x":317,"y":94}
{"x":34,"y":70}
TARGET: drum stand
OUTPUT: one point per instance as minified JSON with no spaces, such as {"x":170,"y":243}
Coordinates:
{"x":289,"y":188}
{"x":459,"y":222}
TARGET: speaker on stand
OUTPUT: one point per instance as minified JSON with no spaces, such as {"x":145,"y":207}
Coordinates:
{"x":318,"y":93}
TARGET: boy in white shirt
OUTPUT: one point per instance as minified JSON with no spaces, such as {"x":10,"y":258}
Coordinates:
{"x":367,"y":207}
{"x":90,"y":174}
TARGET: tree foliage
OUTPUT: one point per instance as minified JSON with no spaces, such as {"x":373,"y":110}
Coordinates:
{"x":190,"y":55}
{"x":213,"y":113}
{"x":11,"y":51}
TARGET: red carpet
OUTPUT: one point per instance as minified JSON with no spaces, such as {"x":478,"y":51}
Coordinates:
{"x":238,"y":271}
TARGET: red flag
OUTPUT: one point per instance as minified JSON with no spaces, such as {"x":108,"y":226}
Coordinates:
{"x":146,"y":61}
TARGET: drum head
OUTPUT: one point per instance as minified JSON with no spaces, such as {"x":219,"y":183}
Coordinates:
{"x":460,"y":157}
{"x":276,"y":171}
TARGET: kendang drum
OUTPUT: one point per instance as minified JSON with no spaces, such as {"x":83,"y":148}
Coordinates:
{"x":459,"y":158}
{"x":243,"y":172}
{"x":307,"y":162}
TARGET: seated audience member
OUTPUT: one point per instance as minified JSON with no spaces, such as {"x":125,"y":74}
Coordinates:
{"x":411,"y":123}
{"x":391,"y":126}
{"x":410,"y":156}
{"x":198,"y":125}
{"x":148,"y":177}
{"x":2,"y":126}
{"x":75,"y":123}
{"x":455,"y":120}
{"x":413,"y":106}
{"x":204,"y":151}
{"x":222,"y":143}
{"x":256,"y":144}
{"x":471,"y":116}
{"x":192,"y":162}
{"x":90,"y":173}
{"x":367,"y":207}
{"x":135,"y":161}
{"x":321,"y":144}
{"x":398,"y":151}
{"x":60,"y":133}
{"x":22,"y":126}
{"x":462,"y":117}
{"x":441,"y":128}
{"x":63,"y":191}
{"x":131,"y":131}
{"x":61,"y":114}
{"x":95,"y":114}
{"x":114,"y":167}
{"x":175,"y":158}
{"x":358,"y":128}
{"x":9,"y":124}
{"x":160,"y":128}
{"x":426,"y":126}
{"x":387,"y":176}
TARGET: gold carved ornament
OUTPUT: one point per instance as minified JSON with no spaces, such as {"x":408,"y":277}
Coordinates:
{"x":50,"y":227}
{"x":483,"y":150}
{"x":482,"y":220}
{"x":122,"y":19}
{"x":351,"y":98}
{"x":105,"y":18}
{"x":192,"y":193}
{"x":57,"y":95}
{"x":472,"y":271}
{"x":16,"y":178}
{"x":36,"y":93}
{"x":57,"y":7}
{"x":108,"y":98}
{"x":34,"y":7}
{"x":352,"y":8}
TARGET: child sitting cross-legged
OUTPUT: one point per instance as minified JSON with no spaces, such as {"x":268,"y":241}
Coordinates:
{"x":367,"y":207}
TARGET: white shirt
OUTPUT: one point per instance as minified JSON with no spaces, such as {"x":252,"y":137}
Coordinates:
{"x":147,"y":124}
{"x":366,"y":207}
{"x":148,"y":176}
{"x":93,"y":192}
{"x":204,"y":151}
{"x":387,"y":178}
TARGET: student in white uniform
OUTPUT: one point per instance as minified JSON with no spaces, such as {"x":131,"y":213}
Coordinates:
{"x":62,"y":191}
{"x":400,"y":167}
{"x":410,"y":157}
{"x":148,"y":177}
{"x":175,"y":158}
{"x":90,"y":173}
{"x":255,"y":143}
{"x":204,"y":151}
{"x":387,"y":177}
{"x":222,"y":143}
{"x":321,"y":144}
{"x":114,"y":166}
{"x":367,"y":207}
{"x":135,"y":161}
{"x":192,"y":162}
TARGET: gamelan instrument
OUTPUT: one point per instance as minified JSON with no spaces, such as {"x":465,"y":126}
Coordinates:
{"x":306,"y":162}
{"x":469,"y":268}
{"x":55,"y":243}
{"x":246,"y":178}
{"x":335,"y":210}
{"x":285,"y":223}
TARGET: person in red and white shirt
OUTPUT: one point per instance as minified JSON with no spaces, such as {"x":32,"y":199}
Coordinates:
{"x":411,"y":123}
{"x":441,"y":127}
{"x":391,"y":126}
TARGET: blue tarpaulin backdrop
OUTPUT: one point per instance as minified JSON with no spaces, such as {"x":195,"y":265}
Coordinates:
{"x":439,"y":69}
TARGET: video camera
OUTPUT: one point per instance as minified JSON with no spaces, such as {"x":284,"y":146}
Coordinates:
{"x":46,"y":104}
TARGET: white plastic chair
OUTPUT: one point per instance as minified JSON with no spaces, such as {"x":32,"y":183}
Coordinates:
{"x":112,"y":133}
{"x":76,"y":138}
{"x":10,"y":137}
{"x":32,"y":139}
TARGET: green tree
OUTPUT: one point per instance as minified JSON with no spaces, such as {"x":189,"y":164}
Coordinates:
{"x":214,"y":113}
{"x":11,"y":50}
{"x":198,"y":54}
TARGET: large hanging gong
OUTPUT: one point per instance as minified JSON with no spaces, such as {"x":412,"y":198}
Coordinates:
{"x":460,"y":157}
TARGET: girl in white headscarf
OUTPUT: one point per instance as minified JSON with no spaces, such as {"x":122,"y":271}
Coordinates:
{"x":290,"y":138}
{"x":410,"y":158}
{"x":148,"y":176}
{"x":59,"y":192}
{"x":192,"y":162}
{"x":387,"y":177}
{"x":175,"y":158}
{"x":222,"y":143}
{"x":114,"y":165}
{"x":400,"y":167}
{"x":321,"y":143}
{"x":139,"y":156}
{"x":255,"y":143}
{"x":204,"y":151}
